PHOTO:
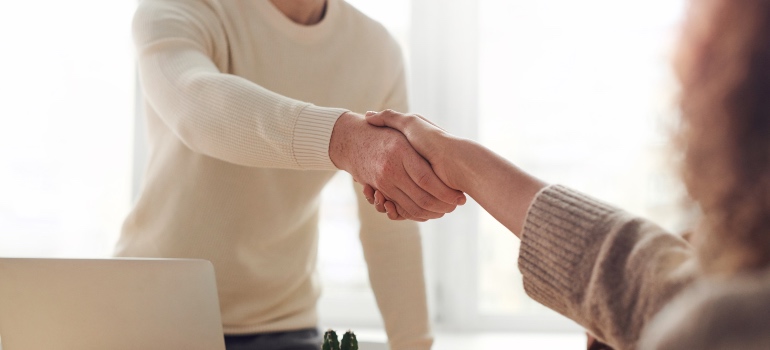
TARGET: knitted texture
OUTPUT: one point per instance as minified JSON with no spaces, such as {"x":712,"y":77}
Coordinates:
{"x":240,"y":105}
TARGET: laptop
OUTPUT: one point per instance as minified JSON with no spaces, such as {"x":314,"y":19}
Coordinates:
{"x":110,"y":304}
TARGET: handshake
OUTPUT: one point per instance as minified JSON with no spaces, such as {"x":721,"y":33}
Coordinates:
{"x":404,"y":162}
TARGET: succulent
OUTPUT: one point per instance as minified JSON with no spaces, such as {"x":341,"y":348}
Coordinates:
{"x":330,"y":341}
{"x":349,"y":341}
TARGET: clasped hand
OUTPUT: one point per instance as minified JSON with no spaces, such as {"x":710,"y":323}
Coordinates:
{"x":429,"y":140}
{"x":383,"y":159}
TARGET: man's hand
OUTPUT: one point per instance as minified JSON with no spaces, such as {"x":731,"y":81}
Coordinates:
{"x":428,"y":139}
{"x":384,"y":159}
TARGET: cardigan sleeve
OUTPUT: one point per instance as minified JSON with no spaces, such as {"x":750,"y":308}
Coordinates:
{"x":218,"y":114}
{"x":605,"y":269}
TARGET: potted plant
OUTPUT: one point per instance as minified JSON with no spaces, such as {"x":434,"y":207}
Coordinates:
{"x":349,"y":341}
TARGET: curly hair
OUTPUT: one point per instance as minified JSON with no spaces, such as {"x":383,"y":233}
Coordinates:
{"x":724,"y":68}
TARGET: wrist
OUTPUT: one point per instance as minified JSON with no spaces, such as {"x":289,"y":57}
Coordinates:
{"x":341,"y":139}
{"x":462,"y":170}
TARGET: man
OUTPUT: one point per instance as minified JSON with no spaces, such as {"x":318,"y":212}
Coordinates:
{"x":240,"y":149}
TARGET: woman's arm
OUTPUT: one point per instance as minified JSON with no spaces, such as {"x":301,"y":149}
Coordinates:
{"x":605,"y":269}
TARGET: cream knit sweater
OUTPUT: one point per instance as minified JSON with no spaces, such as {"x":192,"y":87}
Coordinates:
{"x":239,"y":154}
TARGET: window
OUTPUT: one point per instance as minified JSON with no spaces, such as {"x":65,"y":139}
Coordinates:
{"x":66,"y":126}
{"x":578,"y":93}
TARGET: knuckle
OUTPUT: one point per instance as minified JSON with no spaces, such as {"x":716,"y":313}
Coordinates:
{"x":423,"y":179}
{"x":403,"y":213}
{"x":425,"y":201}
{"x":382,"y":173}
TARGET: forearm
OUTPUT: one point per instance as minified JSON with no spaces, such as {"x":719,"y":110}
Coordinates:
{"x":501,"y":188}
{"x":232,"y":119}
{"x":605,"y":269}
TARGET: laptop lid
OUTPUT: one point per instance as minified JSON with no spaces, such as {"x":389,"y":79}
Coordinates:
{"x":83,"y":304}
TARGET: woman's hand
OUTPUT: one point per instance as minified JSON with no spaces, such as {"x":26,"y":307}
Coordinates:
{"x":429,"y":140}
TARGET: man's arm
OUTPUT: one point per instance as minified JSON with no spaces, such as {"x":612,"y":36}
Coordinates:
{"x":235,"y":120}
{"x":223,"y":116}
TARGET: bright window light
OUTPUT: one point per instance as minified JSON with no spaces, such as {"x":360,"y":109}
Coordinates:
{"x":67,"y":125}
{"x":578,"y":93}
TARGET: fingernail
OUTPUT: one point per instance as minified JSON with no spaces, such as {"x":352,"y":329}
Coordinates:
{"x":376,"y":202}
{"x":369,"y":200}
{"x":370,"y":113}
{"x":460,"y":200}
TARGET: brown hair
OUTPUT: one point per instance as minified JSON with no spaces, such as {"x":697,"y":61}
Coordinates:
{"x":724,"y":68}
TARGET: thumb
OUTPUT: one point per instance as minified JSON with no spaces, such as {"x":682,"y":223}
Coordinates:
{"x":375,"y":118}
{"x":387,"y":118}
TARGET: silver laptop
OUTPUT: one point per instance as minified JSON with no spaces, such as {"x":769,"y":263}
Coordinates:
{"x":111,"y":304}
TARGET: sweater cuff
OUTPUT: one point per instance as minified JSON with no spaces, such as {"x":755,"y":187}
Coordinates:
{"x":559,"y":246}
{"x":312,"y":133}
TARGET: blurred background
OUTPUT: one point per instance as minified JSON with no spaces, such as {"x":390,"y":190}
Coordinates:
{"x":578,"y":93}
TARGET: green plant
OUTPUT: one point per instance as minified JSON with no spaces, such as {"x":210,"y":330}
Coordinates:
{"x":349,"y":341}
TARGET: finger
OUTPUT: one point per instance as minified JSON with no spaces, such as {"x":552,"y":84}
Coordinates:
{"x":401,"y":210}
{"x":390,"y":208}
{"x":379,"y":201}
{"x":412,"y":209}
{"x":389,"y":118}
{"x":443,"y":199}
{"x":369,"y":194}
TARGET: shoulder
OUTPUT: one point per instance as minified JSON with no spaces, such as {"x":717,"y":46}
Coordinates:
{"x":716,"y":314}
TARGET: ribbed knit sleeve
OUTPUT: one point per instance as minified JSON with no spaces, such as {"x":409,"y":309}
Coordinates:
{"x":603,"y":268}
{"x":222,"y":115}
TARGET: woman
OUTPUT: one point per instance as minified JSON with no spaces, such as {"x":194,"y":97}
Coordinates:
{"x":628,"y":281}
